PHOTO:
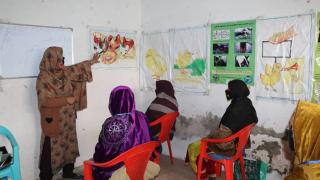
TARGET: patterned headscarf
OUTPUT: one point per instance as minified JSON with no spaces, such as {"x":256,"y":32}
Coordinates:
{"x":50,"y":59}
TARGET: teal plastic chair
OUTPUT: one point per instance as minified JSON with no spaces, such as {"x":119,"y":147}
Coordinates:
{"x":13,"y":170}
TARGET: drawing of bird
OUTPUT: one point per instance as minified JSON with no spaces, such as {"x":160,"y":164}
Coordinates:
{"x":155,"y":63}
{"x":183,"y":60}
{"x":271,"y":75}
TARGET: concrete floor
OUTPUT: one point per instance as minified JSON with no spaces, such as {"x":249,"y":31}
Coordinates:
{"x":178,"y":171}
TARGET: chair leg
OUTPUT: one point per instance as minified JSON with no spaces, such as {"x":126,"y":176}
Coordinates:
{"x":156,"y":158}
{"x":229,"y":170}
{"x":217,"y":169}
{"x":87,"y":171}
{"x":170,"y":152}
{"x":199,"y":167}
{"x":243,"y":172}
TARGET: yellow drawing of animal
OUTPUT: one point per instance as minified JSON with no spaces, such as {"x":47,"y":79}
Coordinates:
{"x":271,"y":76}
{"x":155,"y":63}
{"x":183,"y":60}
{"x":279,"y":37}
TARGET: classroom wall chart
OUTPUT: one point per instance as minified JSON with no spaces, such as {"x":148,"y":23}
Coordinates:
{"x":232,"y":52}
{"x":284,"y":49}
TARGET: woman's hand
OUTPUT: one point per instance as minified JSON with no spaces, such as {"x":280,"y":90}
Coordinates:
{"x":71,"y":100}
{"x":95,"y":58}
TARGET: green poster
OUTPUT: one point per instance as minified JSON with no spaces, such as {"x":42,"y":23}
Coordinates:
{"x":232,"y":51}
{"x":316,"y":75}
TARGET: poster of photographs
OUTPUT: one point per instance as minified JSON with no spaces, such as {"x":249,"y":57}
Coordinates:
{"x":154,"y":61}
{"x":284,"y":57}
{"x":232,"y":52}
{"x":189,"y":61}
{"x":316,"y":68}
{"x":117,"y":49}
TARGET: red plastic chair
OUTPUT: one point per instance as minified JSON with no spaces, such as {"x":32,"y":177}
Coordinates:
{"x":242,"y":136}
{"x":135,"y":161}
{"x":167,"y":122}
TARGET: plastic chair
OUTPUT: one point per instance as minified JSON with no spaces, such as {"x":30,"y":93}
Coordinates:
{"x":167,"y":122}
{"x":242,"y":136}
{"x":135,"y":161}
{"x":13,"y":170}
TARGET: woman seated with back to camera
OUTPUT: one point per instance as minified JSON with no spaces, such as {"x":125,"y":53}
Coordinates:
{"x":238,"y":115}
{"x":164,"y":103}
{"x":125,"y":129}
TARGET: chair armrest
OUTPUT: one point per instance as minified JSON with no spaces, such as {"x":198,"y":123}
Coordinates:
{"x":158,"y":121}
{"x":110,"y":163}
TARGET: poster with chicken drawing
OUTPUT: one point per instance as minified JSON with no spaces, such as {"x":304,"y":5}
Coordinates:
{"x":284,"y":47}
{"x":154,"y":61}
{"x":189,"y":61}
{"x":117,"y":49}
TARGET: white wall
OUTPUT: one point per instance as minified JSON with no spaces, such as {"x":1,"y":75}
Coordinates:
{"x":18,"y":102}
{"x":273,"y":114}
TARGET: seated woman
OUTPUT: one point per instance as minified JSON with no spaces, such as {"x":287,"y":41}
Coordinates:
{"x":238,"y":115}
{"x":125,"y":129}
{"x":165,"y":102}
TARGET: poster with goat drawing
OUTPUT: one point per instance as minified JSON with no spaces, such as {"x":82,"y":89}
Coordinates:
{"x":117,"y":49}
{"x":284,"y":48}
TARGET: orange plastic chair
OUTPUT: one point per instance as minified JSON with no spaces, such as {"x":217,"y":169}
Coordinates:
{"x":167,"y":122}
{"x":135,"y":161}
{"x":226,"y":161}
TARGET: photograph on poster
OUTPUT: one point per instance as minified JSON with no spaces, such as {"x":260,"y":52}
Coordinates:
{"x":243,"y":47}
{"x":221,"y":48}
{"x":242,"y":61}
{"x":220,"y":61}
{"x":243,"y":33}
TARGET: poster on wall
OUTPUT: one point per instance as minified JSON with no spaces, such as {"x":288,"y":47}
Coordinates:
{"x":117,"y":49}
{"x":189,"y":60}
{"x":154,"y":61}
{"x":316,"y":67}
{"x":284,"y":49}
{"x":232,"y":52}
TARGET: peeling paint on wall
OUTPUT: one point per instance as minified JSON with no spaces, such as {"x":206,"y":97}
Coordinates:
{"x":266,"y":142}
{"x":197,"y":126}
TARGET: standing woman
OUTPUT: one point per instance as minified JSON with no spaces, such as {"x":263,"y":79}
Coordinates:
{"x":61,"y":93}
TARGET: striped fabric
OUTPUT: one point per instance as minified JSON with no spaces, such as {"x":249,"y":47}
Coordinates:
{"x":162,"y":105}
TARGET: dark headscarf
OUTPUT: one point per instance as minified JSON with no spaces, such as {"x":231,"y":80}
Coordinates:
{"x":237,"y":89}
{"x":240,"y":112}
{"x":164,"y":86}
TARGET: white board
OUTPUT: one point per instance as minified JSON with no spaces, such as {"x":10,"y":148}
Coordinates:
{"x":22,"y":47}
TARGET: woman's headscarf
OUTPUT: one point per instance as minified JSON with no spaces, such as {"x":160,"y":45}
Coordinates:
{"x":165,"y":87}
{"x":50,"y":59}
{"x":121,"y":100}
{"x":238,"y":89}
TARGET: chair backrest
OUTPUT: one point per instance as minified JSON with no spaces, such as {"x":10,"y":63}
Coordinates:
{"x":15,"y":166}
{"x":242,"y":137}
{"x":5,"y":132}
{"x":135,"y":160}
{"x":167,"y":122}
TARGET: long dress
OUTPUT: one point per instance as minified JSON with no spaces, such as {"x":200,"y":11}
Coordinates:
{"x":58,"y":118}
